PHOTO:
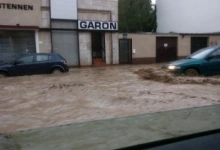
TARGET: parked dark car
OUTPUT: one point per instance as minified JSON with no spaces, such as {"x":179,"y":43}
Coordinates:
{"x":41,"y":63}
{"x":203,"y":62}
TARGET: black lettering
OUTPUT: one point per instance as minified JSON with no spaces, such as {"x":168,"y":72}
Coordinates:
{"x":113,"y":26}
{"x":83,"y":25}
{"x":25,"y":7}
{"x":105,"y":25}
{"x":14,"y":6}
{"x":98,"y":25}
{"x":90,"y":25}
{"x":20,"y":7}
{"x":30,"y":7}
{"x":9,"y":6}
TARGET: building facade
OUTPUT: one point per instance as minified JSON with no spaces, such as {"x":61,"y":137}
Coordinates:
{"x":82,"y":31}
{"x":184,"y":26}
{"x":146,"y":48}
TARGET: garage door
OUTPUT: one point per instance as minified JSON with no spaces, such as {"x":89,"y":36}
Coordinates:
{"x":198,"y":43}
{"x":66,"y":44}
{"x":166,"y":49}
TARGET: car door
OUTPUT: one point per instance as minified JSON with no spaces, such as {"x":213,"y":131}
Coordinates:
{"x":42,"y":64}
{"x":24,"y":65}
{"x":212,"y":65}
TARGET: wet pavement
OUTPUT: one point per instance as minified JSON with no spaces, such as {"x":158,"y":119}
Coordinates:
{"x":92,"y":94}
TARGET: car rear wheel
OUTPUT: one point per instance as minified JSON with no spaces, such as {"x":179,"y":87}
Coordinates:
{"x":191,"y":72}
{"x":56,"y":71}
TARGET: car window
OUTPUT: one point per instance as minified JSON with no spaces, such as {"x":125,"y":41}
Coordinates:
{"x":216,"y":53}
{"x":26,"y":59}
{"x":40,"y":58}
{"x":201,"y":53}
{"x":50,"y":57}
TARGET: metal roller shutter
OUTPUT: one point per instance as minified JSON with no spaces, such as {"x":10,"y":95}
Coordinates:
{"x":66,"y":44}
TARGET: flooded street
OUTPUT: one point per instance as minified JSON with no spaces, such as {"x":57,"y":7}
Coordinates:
{"x":93,"y":94}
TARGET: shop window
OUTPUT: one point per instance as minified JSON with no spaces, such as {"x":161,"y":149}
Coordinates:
{"x":17,"y":42}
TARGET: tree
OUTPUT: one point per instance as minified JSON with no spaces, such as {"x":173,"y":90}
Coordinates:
{"x":136,"y":16}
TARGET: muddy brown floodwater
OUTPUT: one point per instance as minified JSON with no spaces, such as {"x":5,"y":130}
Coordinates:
{"x":94,"y":93}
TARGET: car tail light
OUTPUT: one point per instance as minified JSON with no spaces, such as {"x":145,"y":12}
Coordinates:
{"x":64,"y":62}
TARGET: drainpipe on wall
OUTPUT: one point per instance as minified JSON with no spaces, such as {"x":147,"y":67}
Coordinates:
{"x":112,"y":61}
{"x":51,"y":36}
{"x":112,"y":42}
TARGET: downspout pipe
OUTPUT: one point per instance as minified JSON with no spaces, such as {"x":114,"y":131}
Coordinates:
{"x":51,"y":36}
{"x":112,"y":46}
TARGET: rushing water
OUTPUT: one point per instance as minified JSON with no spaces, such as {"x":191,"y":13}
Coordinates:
{"x":91,"y":94}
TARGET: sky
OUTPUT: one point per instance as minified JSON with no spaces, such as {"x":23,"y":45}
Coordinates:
{"x":153,"y":1}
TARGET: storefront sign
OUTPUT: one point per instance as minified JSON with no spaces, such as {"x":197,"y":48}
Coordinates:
{"x":97,"y":25}
{"x":16,"y":6}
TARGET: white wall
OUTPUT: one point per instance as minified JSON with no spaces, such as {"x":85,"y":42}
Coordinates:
{"x":188,"y":16}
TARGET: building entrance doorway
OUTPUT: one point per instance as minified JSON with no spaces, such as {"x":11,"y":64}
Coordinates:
{"x":125,"y":51}
{"x":15,"y":43}
{"x":98,"y":48}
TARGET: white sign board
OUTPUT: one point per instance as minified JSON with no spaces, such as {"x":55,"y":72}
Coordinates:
{"x":165,"y":45}
{"x":64,"y":9}
{"x":97,"y":25}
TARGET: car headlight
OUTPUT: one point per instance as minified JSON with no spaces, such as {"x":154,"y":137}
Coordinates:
{"x":173,"y":67}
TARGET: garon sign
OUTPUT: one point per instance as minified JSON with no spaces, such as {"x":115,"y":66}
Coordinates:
{"x":97,"y":25}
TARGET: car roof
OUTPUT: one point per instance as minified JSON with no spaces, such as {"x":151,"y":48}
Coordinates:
{"x":39,"y":54}
{"x":44,"y":53}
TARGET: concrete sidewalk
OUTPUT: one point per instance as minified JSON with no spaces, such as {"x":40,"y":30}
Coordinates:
{"x":116,"y":133}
